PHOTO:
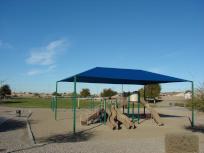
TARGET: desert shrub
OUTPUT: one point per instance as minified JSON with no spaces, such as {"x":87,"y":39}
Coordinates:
{"x":198,"y":99}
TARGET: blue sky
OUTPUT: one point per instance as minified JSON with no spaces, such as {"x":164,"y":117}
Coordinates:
{"x":45,"y":41}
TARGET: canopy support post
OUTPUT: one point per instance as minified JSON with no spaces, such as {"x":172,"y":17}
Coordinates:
{"x":133,"y":113}
{"x":144,"y":100}
{"x":74,"y":107}
{"x":56,"y":101}
{"x":104,"y":112}
{"x":138,"y":108}
{"x":193,"y":105}
{"x":128,"y":106}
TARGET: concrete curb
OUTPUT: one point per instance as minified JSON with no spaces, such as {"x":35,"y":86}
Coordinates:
{"x":30,"y":133}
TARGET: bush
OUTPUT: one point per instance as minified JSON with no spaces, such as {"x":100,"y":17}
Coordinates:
{"x":198,"y":99}
{"x":198,"y":104}
{"x":85,"y":92}
{"x":56,"y":94}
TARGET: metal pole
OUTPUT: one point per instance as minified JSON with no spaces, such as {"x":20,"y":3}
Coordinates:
{"x":144,"y":100}
{"x":56,"y":101}
{"x":101,"y":111}
{"x":193,"y":105}
{"x":128,"y":109}
{"x":93,"y":103}
{"x":133,"y":112}
{"x":74,"y":107}
{"x":138,"y":109}
{"x":104,"y":112}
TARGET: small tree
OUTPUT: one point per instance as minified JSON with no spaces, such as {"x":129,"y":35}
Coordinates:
{"x":152,"y":90}
{"x":85,"y":92}
{"x":37,"y":95}
{"x":108,"y":93}
{"x":4,"y":91}
{"x":56,"y":94}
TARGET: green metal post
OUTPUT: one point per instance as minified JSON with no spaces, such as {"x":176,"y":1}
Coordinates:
{"x":101,"y":111}
{"x":74,"y":107}
{"x":72,"y":102}
{"x":56,"y":101}
{"x":116,"y":103}
{"x":138,"y":109}
{"x":144,"y":100}
{"x":133,"y":114}
{"x":105,"y":111}
{"x":193,"y":105}
{"x":128,"y":107}
{"x":93,"y":103}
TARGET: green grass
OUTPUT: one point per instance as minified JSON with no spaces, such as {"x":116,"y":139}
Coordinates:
{"x":43,"y":103}
{"x":46,"y":103}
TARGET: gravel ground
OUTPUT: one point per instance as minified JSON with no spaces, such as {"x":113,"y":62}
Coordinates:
{"x":147,"y":138}
{"x":154,"y":145}
{"x":13,"y":131}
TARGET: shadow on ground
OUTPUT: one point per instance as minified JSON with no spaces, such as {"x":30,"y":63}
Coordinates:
{"x":80,"y":136}
{"x":197,"y":128}
{"x":147,"y":115}
{"x":70,"y":137}
{"x":2,"y":150}
{"x":165,"y":115}
{"x":12,"y":124}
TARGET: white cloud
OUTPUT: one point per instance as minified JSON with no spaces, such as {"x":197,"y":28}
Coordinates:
{"x":34,"y":72}
{"x":45,"y":55}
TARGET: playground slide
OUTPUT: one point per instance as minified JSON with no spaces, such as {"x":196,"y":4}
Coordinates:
{"x":93,"y":117}
{"x":153,"y":113}
{"x":125,"y":120}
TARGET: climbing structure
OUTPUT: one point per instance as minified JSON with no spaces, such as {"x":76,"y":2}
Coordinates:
{"x":116,"y":118}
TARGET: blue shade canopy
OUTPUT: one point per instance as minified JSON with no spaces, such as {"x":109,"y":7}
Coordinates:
{"x":121,"y":76}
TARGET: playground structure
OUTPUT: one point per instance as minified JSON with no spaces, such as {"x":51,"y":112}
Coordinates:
{"x":110,"y":111}
{"x":115,"y":117}
{"x":118,"y":76}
